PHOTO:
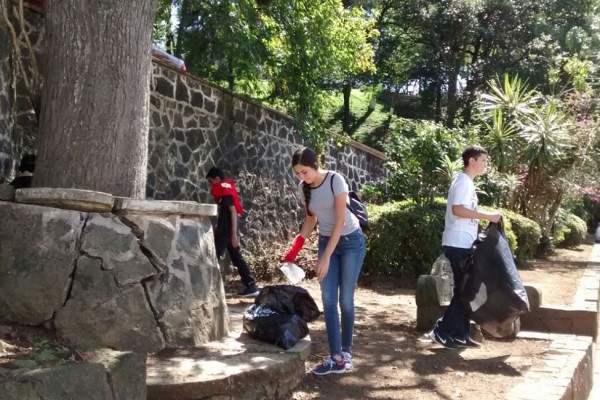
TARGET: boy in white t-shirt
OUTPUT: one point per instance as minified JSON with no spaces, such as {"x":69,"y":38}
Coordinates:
{"x":452,"y":330}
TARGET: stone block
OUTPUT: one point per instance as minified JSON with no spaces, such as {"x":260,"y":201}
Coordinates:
{"x":125,"y":322}
{"x":560,"y":320}
{"x":126,"y":372}
{"x":534,"y":295}
{"x":7,"y":192}
{"x":428,"y":315}
{"x":38,"y":248}
{"x":433,"y":290}
{"x":70,"y":199}
{"x":58,"y":382}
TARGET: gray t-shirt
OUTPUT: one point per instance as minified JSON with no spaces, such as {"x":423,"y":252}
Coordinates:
{"x":322,"y":204}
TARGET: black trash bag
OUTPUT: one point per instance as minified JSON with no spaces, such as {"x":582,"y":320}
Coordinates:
{"x":289,"y":299}
{"x":283,"y":330}
{"x":492,"y":289}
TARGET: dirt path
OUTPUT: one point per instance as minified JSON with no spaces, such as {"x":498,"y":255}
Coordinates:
{"x":394,"y":361}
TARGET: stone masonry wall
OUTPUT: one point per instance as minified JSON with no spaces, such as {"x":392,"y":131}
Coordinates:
{"x":194,"y":126}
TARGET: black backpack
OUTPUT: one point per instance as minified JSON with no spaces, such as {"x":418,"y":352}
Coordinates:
{"x":355,"y":205}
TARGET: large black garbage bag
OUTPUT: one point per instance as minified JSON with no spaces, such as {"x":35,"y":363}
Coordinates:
{"x":492,"y":289}
{"x":289,"y":299}
{"x":266,"y":325}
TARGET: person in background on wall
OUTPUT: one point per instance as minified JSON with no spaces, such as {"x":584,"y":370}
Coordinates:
{"x":597,"y":235}
{"x":460,"y":231}
{"x":340,"y":255}
{"x":226,"y":231}
{"x":25,"y":175}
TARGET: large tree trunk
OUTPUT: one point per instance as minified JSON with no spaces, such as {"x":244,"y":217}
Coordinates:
{"x":94,"y":118}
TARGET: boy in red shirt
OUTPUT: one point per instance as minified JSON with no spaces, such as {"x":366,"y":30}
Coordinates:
{"x":226,"y":231}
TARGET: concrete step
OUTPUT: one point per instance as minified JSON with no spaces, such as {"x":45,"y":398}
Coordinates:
{"x":237,"y":367}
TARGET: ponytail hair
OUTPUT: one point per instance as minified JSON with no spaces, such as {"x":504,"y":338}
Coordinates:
{"x":308,"y":158}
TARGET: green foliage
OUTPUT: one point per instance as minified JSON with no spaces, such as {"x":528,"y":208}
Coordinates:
{"x":404,"y":238}
{"x":539,"y":147}
{"x":44,"y":351}
{"x":373,"y":193}
{"x":511,"y":237}
{"x":420,"y":160}
{"x":527,"y":233}
{"x":569,"y":230}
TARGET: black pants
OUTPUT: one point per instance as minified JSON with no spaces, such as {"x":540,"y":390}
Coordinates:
{"x":223,"y":243}
{"x":456,"y":322}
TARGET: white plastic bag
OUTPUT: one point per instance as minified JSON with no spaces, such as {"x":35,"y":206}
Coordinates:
{"x":292,"y":272}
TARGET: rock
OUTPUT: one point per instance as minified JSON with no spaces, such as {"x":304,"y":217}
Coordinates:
{"x":124,"y":322}
{"x":433,"y":290}
{"x":126,"y":372}
{"x":57,"y":382}
{"x":7,"y":192}
{"x":534,"y":295}
{"x":38,"y":248}
{"x":25,"y":364}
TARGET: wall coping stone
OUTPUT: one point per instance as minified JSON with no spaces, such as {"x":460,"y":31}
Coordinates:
{"x":125,"y":205}
{"x":70,"y":199}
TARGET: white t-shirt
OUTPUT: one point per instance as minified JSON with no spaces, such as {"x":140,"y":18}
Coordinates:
{"x":322,"y":204}
{"x":460,"y":232}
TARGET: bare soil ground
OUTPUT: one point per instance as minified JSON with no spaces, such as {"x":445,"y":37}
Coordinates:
{"x":394,"y":361}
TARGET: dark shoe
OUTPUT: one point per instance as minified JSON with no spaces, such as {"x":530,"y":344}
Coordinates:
{"x":447,"y":343}
{"x":347,"y":357}
{"x":251,"y":291}
{"x":469,"y":343}
{"x":330,"y":366}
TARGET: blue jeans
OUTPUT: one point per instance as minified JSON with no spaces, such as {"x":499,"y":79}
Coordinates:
{"x":340,"y":283}
{"x":456,"y":322}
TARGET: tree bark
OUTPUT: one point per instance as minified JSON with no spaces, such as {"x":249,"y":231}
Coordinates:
{"x":94,"y":116}
{"x":347,"y":89}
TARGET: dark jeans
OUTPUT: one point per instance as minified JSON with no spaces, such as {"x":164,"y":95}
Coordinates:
{"x":456,"y":322}
{"x":223,"y":243}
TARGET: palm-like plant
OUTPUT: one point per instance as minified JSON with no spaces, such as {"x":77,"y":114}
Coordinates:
{"x":546,"y":140}
{"x":500,"y":141}
{"x":513,"y":98}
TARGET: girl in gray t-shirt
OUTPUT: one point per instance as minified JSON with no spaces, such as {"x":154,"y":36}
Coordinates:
{"x":340,"y":257}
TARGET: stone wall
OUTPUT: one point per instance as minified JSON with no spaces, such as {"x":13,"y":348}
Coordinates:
{"x":194,"y":126}
{"x":128,"y":282}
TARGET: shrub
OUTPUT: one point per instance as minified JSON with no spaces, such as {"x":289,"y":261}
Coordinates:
{"x":527,"y":232}
{"x":405,"y":238}
{"x":569,"y":230}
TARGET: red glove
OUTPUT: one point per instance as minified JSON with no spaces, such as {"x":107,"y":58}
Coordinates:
{"x":296,"y":247}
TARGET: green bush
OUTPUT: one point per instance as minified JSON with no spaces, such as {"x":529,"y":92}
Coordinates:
{"x":404,"y":238}
{"x":569,"y":230}
{"x":527,"y":232}
{"x":511,"y":237}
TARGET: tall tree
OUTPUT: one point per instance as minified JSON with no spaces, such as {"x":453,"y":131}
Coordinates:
{"x":94,"y":116}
